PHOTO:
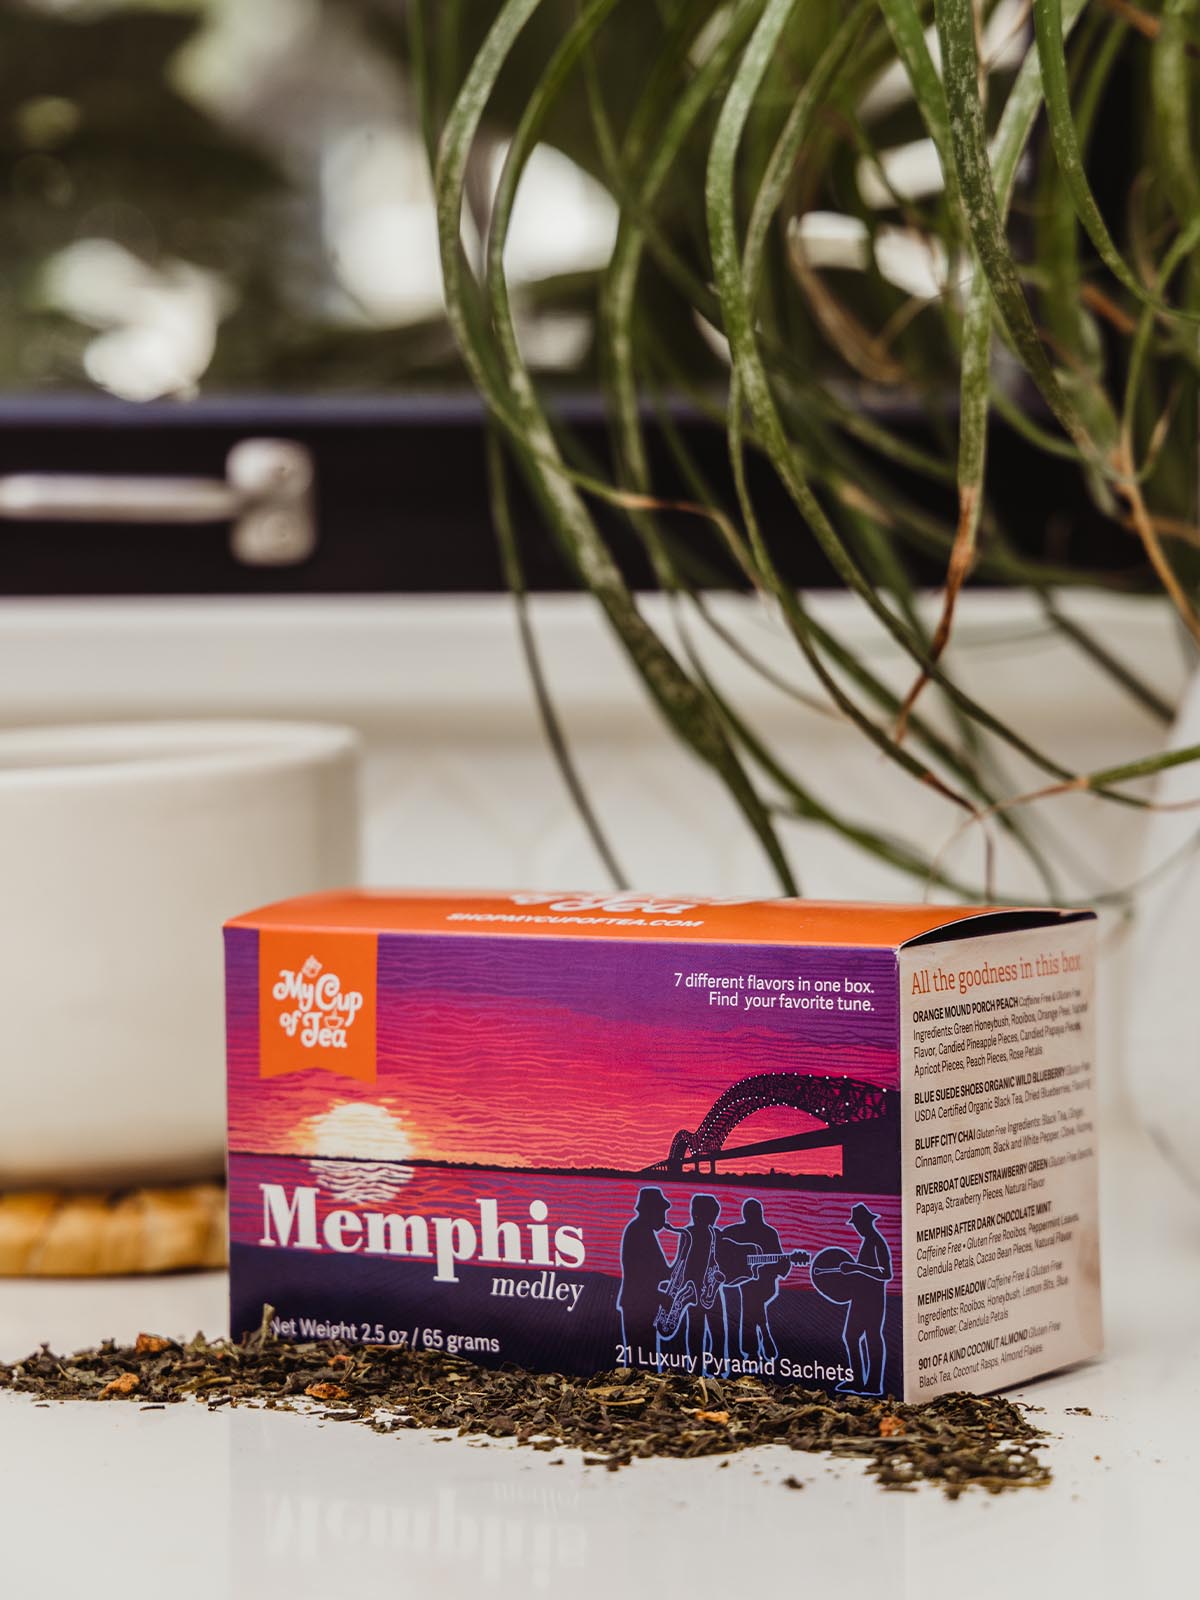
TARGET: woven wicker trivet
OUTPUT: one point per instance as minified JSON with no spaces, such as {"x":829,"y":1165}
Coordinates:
{"x":54,"y":1234}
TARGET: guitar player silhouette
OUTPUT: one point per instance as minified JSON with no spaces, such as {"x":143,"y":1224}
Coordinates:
{"x":752,"y":1327}
{"x":687,"y":1309}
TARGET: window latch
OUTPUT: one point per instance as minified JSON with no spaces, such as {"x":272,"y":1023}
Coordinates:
{"x":266,"y":496}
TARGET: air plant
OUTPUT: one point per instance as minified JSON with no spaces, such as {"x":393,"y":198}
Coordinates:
{"x":842,"y":205}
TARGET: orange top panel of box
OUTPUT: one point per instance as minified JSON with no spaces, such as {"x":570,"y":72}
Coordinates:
{"x":590,"y":915}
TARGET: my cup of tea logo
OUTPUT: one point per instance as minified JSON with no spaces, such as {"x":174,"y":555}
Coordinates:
{"x":316,"y":1009}
{"x":317,"y":1006}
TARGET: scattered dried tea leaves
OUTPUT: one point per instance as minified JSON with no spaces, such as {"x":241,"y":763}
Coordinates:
{"x":955,"y":1441}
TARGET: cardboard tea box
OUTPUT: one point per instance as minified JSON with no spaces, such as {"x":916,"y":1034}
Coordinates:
{"x":850,"y":1146}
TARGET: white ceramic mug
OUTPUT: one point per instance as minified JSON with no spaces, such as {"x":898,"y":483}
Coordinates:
{"x":123,"y":848}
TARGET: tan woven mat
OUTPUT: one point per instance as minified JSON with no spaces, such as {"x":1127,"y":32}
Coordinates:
{"x":53,"y":1234}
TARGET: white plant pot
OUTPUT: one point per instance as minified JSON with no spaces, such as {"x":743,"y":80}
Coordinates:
{"x":1162,"y":1054}
{"x":123,"y":848}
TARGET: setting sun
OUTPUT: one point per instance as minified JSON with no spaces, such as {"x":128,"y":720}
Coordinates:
{"x":363,"y":1130}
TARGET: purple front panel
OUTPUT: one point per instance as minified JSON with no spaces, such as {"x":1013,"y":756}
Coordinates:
{"x":581,"y":1153}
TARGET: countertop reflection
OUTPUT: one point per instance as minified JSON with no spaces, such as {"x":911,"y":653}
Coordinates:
{"x":114,"y":1500}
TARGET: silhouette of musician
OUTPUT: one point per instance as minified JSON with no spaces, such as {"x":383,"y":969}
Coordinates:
{"x":693,"y":1289}
{"x":748,"y":1302}
{"x":866,"y":1350}
{"x":643,"y":1270}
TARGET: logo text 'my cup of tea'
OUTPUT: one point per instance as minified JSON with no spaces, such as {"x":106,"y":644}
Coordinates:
{"x":316,"y":1003}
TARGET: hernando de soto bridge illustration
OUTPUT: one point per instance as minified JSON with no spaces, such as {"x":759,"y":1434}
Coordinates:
{"x":863,"y":1119}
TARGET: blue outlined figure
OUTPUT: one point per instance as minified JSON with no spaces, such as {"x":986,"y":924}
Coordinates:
{"x":751,"y":1291}
{"x":693,"y":1289}
{"x":860,"y":1284}
{"x":643,"y":1268}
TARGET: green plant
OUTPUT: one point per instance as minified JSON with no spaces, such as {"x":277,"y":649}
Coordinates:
{"x":1075,"y":323}
{"x":1038,"y":279}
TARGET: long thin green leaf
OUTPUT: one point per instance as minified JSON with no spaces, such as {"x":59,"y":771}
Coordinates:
{"x":920,"y":529}
{"x":620,"y":279}
{"x":1174,"y":120}
{"x":1048,"y":30}
{"x":619,"y":283}
{"x":418,"y":51}
{"x":1143,"y":693}
{"x":651,"y":149}
{"x":1144,"y":767}
{"x":958,"y":764}
{"x":908,"y":34}
{"x":735,"y":275}
{"x":1181,"y":250}
{"x":720,"y":198}
{"x":618,"y":297}
{"x":974,"y":392}
{"x":799,"y":624}
{"x":678,"y":698}
{"x":851,"y":665}
{"x":805,"y":805}
{"x":1016,"y":125}
{"x":955,"y":21}
{"x":767,"y":200}
{"x":514,"y":574}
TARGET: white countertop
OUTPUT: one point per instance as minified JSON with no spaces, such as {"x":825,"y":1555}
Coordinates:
{"x":112,"y":1501}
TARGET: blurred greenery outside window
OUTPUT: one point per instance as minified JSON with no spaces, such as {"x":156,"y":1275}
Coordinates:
{"x":234,"y":194}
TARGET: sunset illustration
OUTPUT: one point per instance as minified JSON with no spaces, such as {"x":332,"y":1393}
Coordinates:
{"x":501,"y":1056}
{"x":355,"y":1128}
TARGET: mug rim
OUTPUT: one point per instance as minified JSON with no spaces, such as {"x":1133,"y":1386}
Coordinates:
{"x":68,"y":755}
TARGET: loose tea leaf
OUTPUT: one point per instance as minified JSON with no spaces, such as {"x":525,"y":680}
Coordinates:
{"x":616,"y":1417}
{"x":124,"y":1383}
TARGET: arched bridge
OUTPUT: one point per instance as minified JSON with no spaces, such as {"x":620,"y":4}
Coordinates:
{"x":862,"y":1118}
